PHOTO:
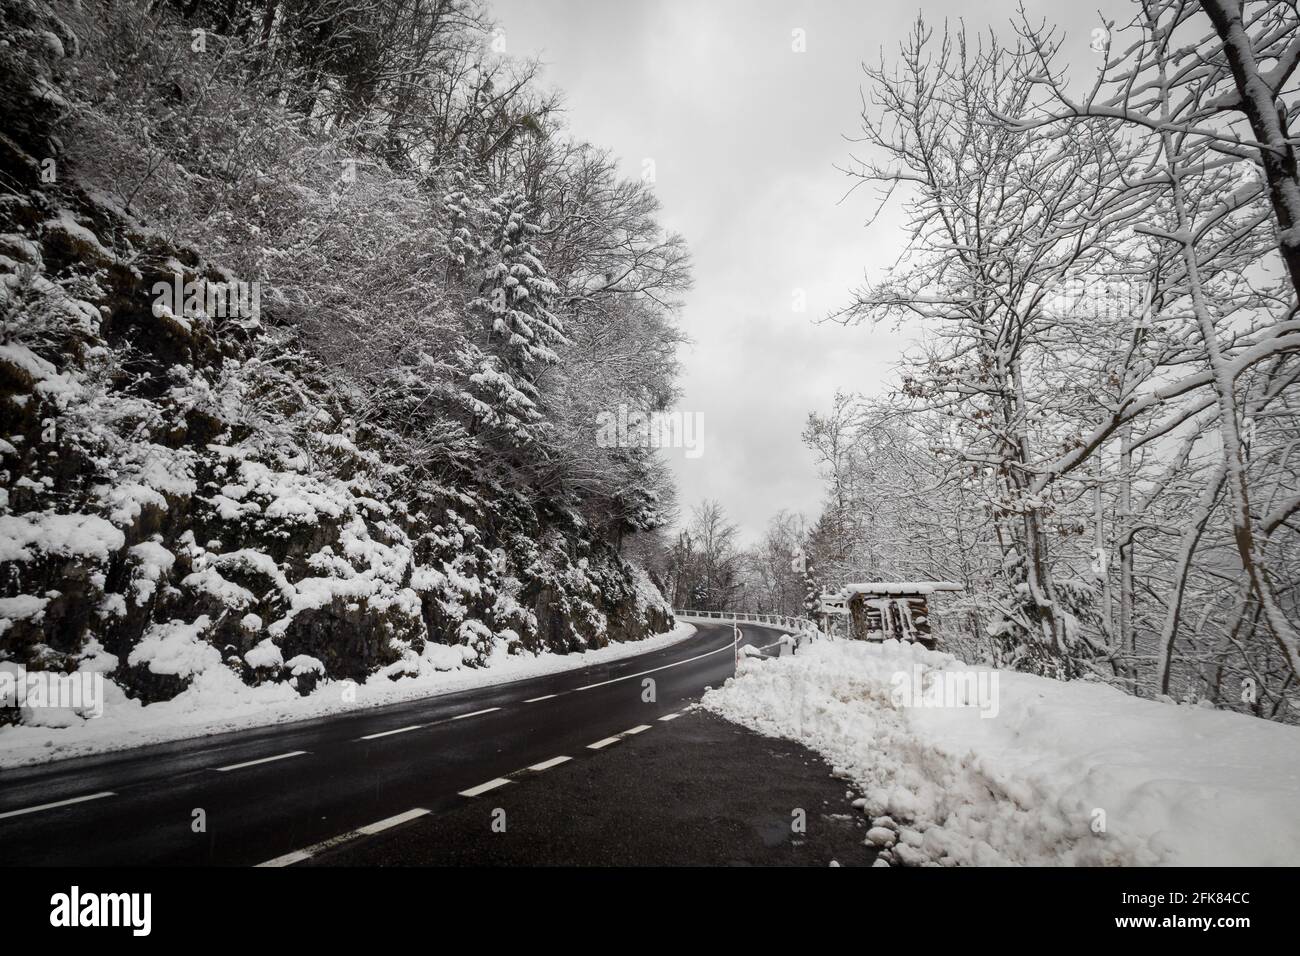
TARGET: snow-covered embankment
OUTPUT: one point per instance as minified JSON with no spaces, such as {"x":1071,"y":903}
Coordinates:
{"x":1024,"y":769}
{"x":218,"y":702}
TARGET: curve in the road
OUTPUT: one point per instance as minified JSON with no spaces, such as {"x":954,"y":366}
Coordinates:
{"x":282,"y":794}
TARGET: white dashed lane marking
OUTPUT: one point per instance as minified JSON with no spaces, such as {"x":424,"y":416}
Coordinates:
{"x":254,"y":763}
{"x":635,"y":730}
{"x":370,"y":829}
{"x":599,"y":744}
{"x":389,"y":733}
{"x":484,"y":787}
{"x":475,"y":713}
{"x":56,"y":803}
{"x":548,"y":764}
{"x":297,"y":856}
{"x":671,"y":716}
{"x":533,"y":700}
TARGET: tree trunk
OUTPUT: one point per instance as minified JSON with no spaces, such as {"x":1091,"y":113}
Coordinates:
{"x":1127,"y":640}
{"x":1267,"y":119}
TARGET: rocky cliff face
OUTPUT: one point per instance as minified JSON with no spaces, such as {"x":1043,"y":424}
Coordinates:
{"x":184,"y":493}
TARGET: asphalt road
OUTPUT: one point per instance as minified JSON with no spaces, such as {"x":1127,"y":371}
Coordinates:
{"x":696,"y":790}
{"x":312,"y":789}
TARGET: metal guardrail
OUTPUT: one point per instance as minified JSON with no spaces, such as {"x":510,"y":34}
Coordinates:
{"x":783,"y":621}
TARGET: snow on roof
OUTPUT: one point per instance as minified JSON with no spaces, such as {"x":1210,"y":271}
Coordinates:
{"x":900,"y":587}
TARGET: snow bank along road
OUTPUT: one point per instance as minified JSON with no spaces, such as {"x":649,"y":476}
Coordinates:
{"x":282,"y":794}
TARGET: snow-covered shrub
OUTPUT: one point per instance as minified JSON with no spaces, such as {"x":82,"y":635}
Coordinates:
{"x":1021,"y":643}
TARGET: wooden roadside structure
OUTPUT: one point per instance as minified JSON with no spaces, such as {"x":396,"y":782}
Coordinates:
{"x":885,"y":610}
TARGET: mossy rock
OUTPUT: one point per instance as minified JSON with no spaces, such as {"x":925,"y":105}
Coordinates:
{"x":350,"y":638}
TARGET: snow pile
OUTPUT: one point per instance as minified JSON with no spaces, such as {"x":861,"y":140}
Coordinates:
{"x":1031,"y":770}
{"x":176,"y":648}
{"x":85,"y":536}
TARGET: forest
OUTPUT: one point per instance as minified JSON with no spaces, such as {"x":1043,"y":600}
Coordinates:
{"x":1098,"y":432}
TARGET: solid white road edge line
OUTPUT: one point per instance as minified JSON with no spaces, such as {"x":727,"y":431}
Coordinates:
{"x":548,"y":764}
{"x":57,"y":803}
{"x":370,"y":829}
{"x":728,"y":647}
{"x":485,"y":787}
{"x":254,"y":763}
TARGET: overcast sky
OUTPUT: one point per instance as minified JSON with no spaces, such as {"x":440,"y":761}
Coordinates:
{"x":744,"y":134}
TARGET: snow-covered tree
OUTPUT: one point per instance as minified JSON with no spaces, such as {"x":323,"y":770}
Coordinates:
{"x":1093,"y":430}
{"x":515,"y":294}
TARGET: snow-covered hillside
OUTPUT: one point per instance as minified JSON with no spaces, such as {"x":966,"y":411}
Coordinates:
{"x":217,"y":701}
{"x":997,"y":767}
{"x":239,"y":456}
